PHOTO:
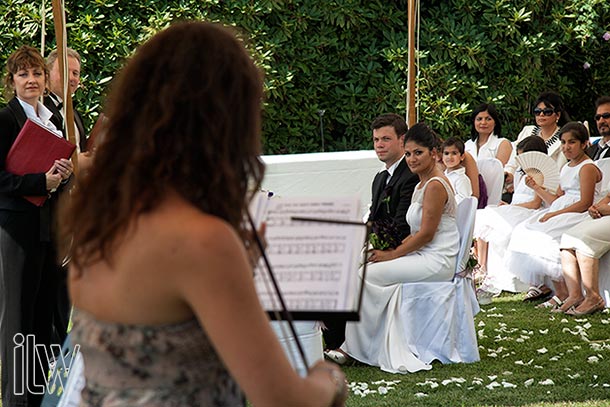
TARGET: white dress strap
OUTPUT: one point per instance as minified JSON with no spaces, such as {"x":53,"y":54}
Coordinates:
{"x":450,"y":205}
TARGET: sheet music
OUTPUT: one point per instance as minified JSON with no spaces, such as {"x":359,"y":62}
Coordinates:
{"x":316,"y":264}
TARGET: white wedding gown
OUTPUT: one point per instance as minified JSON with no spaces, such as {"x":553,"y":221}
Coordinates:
{"x":378,"y":339}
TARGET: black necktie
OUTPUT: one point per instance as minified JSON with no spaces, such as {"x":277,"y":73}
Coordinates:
{"x":600,"y":152}
{"x":383,"y":181}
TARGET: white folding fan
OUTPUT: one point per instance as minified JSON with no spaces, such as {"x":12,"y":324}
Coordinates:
{"x":541,"y":168}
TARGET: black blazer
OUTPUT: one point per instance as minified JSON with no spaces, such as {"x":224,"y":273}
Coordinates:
{"x":592,"y":151}
{"x":58,"y":121}
{"x":14,"y":209}
{"x":400,"y":190}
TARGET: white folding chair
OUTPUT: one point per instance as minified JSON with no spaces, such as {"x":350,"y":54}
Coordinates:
{"x":604,"y":166}
{"x":492,"y":171}
{"x":438,"y":317}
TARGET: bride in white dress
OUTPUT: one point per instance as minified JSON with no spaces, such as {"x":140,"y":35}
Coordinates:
{"x":427,"y":254}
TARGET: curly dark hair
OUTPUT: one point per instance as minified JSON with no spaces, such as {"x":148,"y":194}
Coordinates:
{"x":183,"y":116}
{"x":553,"y":100}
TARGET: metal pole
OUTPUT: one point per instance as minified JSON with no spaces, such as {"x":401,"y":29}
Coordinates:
{"x":321,"y":113}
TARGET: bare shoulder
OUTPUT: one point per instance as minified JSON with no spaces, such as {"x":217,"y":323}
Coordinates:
{"x":591,"y":170}
{"x":435,"y":189}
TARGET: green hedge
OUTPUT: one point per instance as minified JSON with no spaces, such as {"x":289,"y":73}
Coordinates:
{"x":348,"y":58}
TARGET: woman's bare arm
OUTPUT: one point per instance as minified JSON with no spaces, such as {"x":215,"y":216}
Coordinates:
{"x":216,"y":281}
{"x":472,"y":171}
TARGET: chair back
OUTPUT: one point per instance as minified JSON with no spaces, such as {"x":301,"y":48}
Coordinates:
{"x":604,"y":166}
{"x":465,"y":214}
{"x":492,"y":171}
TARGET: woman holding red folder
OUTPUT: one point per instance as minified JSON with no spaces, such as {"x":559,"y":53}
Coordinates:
{"x":29,"y":272}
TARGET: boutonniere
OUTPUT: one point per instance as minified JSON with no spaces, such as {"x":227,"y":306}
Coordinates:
{"x":387,"y":192}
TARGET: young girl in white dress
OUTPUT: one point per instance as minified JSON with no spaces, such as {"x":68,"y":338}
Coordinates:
{"x":427,"y":254}
{"x":533,"y":251}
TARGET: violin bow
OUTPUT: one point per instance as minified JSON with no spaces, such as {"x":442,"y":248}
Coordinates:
{"x":61,"y":36}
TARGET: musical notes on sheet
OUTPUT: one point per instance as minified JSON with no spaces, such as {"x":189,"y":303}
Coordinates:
{"x":316,"y":263}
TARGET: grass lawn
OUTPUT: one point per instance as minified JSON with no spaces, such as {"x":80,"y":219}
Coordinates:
{"x":529,"y":357}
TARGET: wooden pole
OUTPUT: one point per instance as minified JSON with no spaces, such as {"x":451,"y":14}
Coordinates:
{"x":411,"y":110}
{"x":59,"y":17}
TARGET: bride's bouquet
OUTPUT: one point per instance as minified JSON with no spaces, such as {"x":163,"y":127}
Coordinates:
{"x":384,"y":235}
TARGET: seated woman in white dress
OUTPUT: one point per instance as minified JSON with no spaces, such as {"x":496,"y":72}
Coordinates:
{"x":581,"y":248}
{"x":485,"y":135}
{"x":494,"y":224}
{"x":427,"y":254}
{"x":452,"y":151}
{"x":533,"y":251}
{"x":550,"y":114}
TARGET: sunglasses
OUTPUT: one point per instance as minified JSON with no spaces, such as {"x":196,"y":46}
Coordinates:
{"x":547,"y":111}
{"x":599,"y":116}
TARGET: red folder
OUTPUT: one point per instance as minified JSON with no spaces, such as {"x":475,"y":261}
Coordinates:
{"x":34,"y":151}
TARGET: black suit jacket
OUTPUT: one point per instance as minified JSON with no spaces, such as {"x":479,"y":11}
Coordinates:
{"x":58,"y":121}
{"x":592,"y":151}
{"x":14,"y":209}
{"x":400,"y":189}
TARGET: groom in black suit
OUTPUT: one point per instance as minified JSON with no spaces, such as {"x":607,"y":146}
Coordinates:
{"x":391,"y":194}
{"x":394,"y":186}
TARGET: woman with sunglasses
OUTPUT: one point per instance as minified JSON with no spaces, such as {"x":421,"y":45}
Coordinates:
{"x":550,"y":115}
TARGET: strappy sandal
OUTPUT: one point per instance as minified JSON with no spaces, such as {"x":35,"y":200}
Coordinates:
{"x":554,"y":303}
{"x":600,"y":306}
{"x":541,"y":292}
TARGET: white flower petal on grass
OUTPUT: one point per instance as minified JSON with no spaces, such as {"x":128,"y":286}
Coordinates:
{"x":493,"y":385}
{"x":508,"y":385}
{"x":547,"y":382}
{"x":519,"y":340}
{"x":420,"y":395}
{"x":542,"y":350}
{"x":574,"y":376}
{"x":554,"y":358}
{"x":507,"y":373}
{"x":493,"y":355}
{"x":477,"y":381}
{"x":481,"y":323}
{"x":592,"y":359}
{"x":481,"y":334}
{"x":494,"y":377}
{"x":382,"y":390}
{"x":528,"y":382}
{"x":543,"y":331}
{"x":587,"y":325}
{"x":564,"y":321}
{"x":538,"y":367}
